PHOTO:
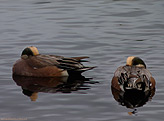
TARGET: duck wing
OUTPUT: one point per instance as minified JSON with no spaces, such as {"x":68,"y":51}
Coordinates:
{"x":132,"y":76}
{"x":41,"y":61}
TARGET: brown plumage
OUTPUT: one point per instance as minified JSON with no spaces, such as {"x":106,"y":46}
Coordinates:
{"x":34,"y":64}
{"x":133,"y":75}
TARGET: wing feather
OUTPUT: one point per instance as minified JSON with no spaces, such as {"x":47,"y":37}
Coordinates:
{"x":124,"y":73}
{"x":41,"y":61}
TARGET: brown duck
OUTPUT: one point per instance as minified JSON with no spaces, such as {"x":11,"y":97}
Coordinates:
{"x":37,"y":65}
{"x":133,"y":75}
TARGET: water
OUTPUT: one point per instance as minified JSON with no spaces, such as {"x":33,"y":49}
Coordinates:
{"x":108,"y":31}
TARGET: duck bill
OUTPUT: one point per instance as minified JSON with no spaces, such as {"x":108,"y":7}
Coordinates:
{"x":137,"y":84}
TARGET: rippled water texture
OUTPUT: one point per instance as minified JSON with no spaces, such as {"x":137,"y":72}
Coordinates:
{"x":108,"y":31}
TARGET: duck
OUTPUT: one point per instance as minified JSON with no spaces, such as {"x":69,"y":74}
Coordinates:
{"x":133,"y":75}
{"x":33,"y":64}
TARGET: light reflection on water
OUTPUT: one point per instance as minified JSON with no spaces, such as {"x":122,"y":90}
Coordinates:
{"x":106,"y":31}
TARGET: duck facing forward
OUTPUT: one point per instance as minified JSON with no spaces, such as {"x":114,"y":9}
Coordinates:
{"x":36,"y":65}
{"x":133,"y":75}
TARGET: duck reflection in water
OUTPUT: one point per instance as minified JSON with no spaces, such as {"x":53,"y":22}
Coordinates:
{"x":133,"y":85}
{"x":31,"y":86}
{"x":36,"y":72}
{"x":132,"y":98}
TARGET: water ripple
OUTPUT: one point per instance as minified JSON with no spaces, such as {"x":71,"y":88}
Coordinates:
{"x":106,"y":31}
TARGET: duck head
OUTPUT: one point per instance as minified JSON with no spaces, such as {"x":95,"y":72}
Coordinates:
{"x":29,"y":51}
{"x":137,"y":78}
{"x":135,"y":61}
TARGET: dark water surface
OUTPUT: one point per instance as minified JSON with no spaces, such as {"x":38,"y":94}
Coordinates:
{"x":108,"y":31}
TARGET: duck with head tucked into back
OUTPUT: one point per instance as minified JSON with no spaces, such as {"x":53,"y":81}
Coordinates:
{"x":133,"y":75}
{"x":36,"y":65}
